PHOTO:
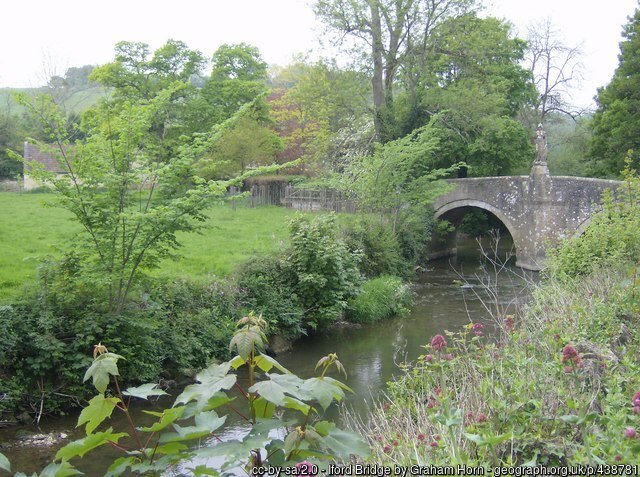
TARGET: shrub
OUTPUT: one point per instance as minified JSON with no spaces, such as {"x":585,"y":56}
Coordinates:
{"x":326,"y":273}
{"x":379,"y":248}
{"x":197,"y":319}
{"x":267,"y":287}
{"x":414,"y":229}
{"x":612,"y":237}
{"x":46,"y":339}
{"x":380,"y":298}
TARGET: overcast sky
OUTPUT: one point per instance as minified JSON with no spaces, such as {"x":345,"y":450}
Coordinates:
{"x":41,"y":38}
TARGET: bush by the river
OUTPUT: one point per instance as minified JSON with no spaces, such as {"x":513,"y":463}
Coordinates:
{"x":380,"y":298}
{"x":47,"y":339}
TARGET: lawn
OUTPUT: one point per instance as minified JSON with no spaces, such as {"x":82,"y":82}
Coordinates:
{"x":29,"y":231}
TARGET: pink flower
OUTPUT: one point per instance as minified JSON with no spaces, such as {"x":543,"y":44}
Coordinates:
{"x":570,"y":354}
{"x":386,"y":449}
{"x":568,"y":369}
{"x":437,"y":437}
{"x":434,"y":444}
{"x":448,"y":356}
{"x":438,"y":342}
{"x":509,"y":323}
{"x":421,"y":437}
{"x":395,"y":443}
{"x":636,"y":399}
{"x":630,"y":433}
{"x":482,"y":417}
{"x":431,"y":403}
{"x":428,"y":358}
{"x":636,"y":409}
{"x":304,"y":468}
{"x":477,"y":329}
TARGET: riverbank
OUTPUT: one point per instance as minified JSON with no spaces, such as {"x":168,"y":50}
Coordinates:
{"x":559,"y":387}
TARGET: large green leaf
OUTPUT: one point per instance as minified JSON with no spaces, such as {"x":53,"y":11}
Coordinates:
{"x":63,"y":469}
{"x":293,"y":403}
{"x":263,"y":408}
{"x":144,"y":391}
{"x":103,"y":366}
{"x":323,"y":391}
{"x":4,"y":463}
{"x":167,"y":417}
{"x":341,"y":443}
{"x":82,"y":446}
{"x":266,"y":363}
{"x":269,"y":390}
{"x":119,"y":466}
{"x":205,"y":424}
{"x":98,"y":410}
{"x":212,"y":379}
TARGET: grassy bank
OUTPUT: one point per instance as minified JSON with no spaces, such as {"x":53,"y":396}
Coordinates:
{"x":29,"y":231}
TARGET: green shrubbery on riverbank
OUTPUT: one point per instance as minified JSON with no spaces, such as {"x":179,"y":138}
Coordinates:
{"x":171,"y":327}
{"x":559,"y":384}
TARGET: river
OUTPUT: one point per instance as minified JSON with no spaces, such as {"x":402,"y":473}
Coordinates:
{"x":448,"y":295}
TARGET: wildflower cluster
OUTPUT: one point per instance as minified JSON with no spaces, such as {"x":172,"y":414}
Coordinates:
{"x":571,"y":357}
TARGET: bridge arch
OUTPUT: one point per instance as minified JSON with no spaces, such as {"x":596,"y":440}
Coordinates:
{"x":462,"y":203}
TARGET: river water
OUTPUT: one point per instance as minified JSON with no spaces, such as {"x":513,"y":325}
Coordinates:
{"x":448,"y":295}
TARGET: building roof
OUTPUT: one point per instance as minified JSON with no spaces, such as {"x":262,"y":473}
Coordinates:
{"x":32,"y":153}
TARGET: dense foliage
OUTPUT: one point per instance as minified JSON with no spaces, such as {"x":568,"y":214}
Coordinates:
{"x":616,"y":126}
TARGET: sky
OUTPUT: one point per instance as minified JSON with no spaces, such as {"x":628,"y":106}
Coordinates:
{"x":43,"y":38}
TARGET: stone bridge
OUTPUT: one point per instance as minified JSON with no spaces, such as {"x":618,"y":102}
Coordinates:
{"x":537,"y":209}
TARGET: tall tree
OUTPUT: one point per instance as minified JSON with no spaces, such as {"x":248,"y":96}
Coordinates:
{"x":313,"y":103}
{"x":472,"y":89}
{"x":136,"y":76}
{"x":239,"y":76}
{"x":555,"y":68}
{"x":616,"y":123}
{"x":386,"y":32}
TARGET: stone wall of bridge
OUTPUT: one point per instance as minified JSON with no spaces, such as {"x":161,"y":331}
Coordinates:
{"x":538,"y":209}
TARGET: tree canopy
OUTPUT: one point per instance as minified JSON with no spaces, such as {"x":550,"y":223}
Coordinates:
{"x":616,"y":123}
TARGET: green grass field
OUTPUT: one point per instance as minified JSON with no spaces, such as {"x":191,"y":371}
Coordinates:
{"x":29,"y":231}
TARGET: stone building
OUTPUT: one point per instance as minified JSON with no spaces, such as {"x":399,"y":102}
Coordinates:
{"x":33,"y":154}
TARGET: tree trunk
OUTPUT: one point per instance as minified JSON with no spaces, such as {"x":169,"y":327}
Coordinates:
{"x":378,"y":73}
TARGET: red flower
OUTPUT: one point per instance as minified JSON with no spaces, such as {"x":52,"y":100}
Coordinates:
{"x":386,"y":449}
{"x":421,"y":437}
{"x":395,"y":443}
{"x":437,"y":437}
{"x":434,"y":444}
{"x":431,"y":403}
{"x":438,"y":342}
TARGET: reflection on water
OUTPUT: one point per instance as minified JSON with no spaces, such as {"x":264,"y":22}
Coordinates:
{"x":448,"y":295}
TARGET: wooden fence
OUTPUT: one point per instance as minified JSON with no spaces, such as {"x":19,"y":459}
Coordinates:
{"x":319,"y":199}
{"x":288,"y":196}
